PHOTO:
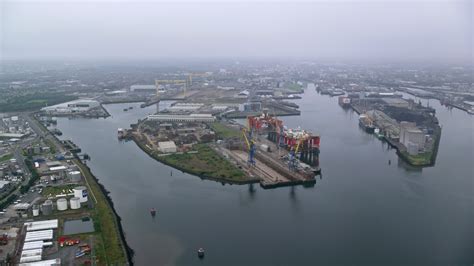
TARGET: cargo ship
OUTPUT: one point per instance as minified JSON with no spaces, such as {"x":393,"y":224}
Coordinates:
{"x":336,"y":92}
{"x":344,"y":101}
{"x":366,"y":123}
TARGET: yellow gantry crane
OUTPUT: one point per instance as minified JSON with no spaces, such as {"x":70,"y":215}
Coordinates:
{"x":292,"y":160}
{"x":250,"y":146}
{"x":187,"y":82}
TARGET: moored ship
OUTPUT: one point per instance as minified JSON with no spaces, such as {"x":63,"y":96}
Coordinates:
{"x":366,"y":123}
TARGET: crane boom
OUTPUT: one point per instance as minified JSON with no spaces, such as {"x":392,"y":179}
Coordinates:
{"x":244,"y":133}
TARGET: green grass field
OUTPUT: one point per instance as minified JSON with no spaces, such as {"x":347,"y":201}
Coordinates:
{"x":420,"y":159}
{"x":33,"y":101}
{"x":109,"y":249}
{"x":206,"y":163}
{"x":6,"y":157}
{"x":57,"y":190}
{"x":295,"y":87}
{"x":224,"y":131}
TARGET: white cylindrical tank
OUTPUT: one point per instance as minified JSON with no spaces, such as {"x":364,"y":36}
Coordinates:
{"x":75,"y":203}
{"x":81,"y":193}
{"x":61,"y":204}
{"x":75,"y":176}
{"x":35,"y":210}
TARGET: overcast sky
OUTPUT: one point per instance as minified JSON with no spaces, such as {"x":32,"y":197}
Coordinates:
{"x":373,"y":30}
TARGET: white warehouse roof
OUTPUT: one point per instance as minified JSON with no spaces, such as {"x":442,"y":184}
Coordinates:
{"x":52,"y":262}
{"x":39,"y":235}
{"x":31,"y":255}
{"x":42,"y":225}
{"x":166,"y":144}
{"x":73,"y":106}
{"x":36,"y":245}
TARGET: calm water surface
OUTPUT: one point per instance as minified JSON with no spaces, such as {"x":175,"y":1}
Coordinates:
{"x":362,"y":211}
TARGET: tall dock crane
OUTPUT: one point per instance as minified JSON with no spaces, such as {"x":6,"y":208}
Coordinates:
{"x":251,"y":148}
{"x":292,"y":157}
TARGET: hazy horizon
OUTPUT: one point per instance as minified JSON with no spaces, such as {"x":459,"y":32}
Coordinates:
{"x":423,"y":31}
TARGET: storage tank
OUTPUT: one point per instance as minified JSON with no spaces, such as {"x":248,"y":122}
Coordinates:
{"x":61,"y":204}
{"x":75,"y":203}
{"x":81,"y":193}
{"x":47,"y":207}
{"x":35,"y":210}
{"x":75,"y":176}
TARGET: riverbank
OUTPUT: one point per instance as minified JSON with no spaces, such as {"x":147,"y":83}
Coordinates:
{"x":114,"y":249}
{"x":109,"y":222}
{"x":205,"y":164}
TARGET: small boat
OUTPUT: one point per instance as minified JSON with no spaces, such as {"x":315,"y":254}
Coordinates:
{"x":201,"y":253}
{"x":126,"y":109}
{"x":153,"y":212}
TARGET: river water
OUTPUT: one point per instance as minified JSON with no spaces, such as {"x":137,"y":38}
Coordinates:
{"x":363,"y":210}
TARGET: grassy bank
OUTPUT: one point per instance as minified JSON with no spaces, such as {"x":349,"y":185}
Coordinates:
{"x":423,"y":159}
{"x":110,"y":250}
{"x":206,"y":163}
{"x":33,"y":101}
{"x":6,"y":157}
{"x":295,"y":87}
{"x":224,"y":131}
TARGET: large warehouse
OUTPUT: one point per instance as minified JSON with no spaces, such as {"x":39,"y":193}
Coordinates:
{"x":76,"y":106}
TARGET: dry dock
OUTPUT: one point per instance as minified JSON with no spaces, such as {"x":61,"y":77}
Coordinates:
{"x":271,"y":170}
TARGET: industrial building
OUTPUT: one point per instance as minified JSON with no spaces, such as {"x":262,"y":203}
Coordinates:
{"x":185,"y":107}
{"x":39,"y":234}
{"x":143,"y":88}
{"x":167,"y":146}
{"x":412,"y":137}
{"x":182,"y":118}
{"x":77,"y":106}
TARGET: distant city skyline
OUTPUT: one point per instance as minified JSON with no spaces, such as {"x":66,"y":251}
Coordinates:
{"x":363,"y":30}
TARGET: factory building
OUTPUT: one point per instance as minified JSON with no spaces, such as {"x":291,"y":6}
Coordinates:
{"x":412,"y":137}
{"x":143,"y":88}
{"x":186,"y":107}
{"x":77,"y":106}
{"x":167,"y":146}
{"x":182,"y":118}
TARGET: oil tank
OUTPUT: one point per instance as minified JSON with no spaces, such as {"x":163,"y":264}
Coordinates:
{"x":61,"y":204}
{"x":81,"y":193}
{"x":75,"y":203}
{"x":47,"y":207}
{"x":35,"y":210}
{"x":74,"y":176}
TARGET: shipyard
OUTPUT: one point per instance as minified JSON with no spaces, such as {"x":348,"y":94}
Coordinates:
{"x":244,"y":137}
{"x":263,"y":151}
